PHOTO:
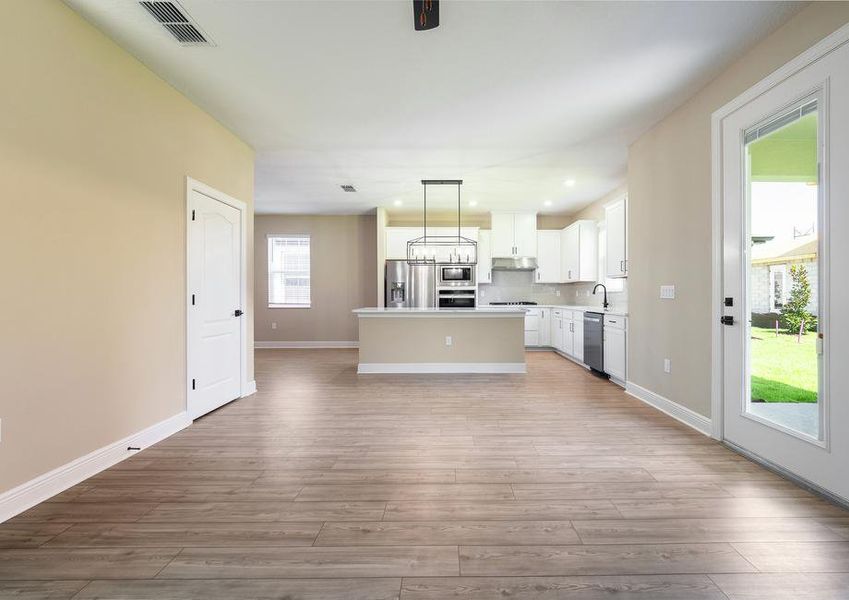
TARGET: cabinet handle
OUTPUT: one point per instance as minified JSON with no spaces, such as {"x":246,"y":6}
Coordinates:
{"x":537,"y":275}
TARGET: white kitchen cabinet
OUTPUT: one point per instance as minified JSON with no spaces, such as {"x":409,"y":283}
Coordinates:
{"x":566,"y":342}
{"x":525,"y":233}
{"x":557,"y":329}
{"x":548,"y":256}
{"x":545,"y":327}
{"x":579,"y":252}
{"x":514,"y":234}
{"x":616,"y":215}
{"x":484,"y":256}
{"x":578,"y":335}
{"x":615,"y":337}
{"x":396,"y":241}
{"x":532,"y":327}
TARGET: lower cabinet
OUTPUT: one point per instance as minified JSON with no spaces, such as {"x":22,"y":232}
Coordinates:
{"x":578,"y":336}
{"x":615,"y":332}
{"x":557,"y":328}
{"x":532,"y":327}
{"x":545,"y":327}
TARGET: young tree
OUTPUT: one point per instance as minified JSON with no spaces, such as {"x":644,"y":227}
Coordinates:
{"x":794,"y":313}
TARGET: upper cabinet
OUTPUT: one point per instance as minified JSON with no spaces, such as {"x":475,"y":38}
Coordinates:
{"x":616,"y":215}
{"x":484,"y":256}
{"x":548,"y":256}
{"x":579,"y":252}
{"x":514,"y":234}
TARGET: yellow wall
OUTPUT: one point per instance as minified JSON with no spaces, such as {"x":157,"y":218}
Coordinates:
{"x":343,"y":271}
{"x":669,"y":189}
{"x":94,"y":154}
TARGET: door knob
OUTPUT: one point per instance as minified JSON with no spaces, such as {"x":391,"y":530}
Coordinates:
{"x":238,"y":313}
{"x":727,"y":320}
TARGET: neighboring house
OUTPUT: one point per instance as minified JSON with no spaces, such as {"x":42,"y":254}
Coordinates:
{"x":770,"y":277}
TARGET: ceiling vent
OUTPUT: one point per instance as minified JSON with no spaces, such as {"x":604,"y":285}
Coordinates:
{"x":348,"y":188}
{"x":172,"y":17}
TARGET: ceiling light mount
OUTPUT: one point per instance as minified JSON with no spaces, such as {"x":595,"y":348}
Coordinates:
{"x":425,"y":14}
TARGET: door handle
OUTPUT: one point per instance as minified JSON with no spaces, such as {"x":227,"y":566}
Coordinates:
{"x":621,"y":266}
{"x":727,"y":320}
{"x":238,"y":313}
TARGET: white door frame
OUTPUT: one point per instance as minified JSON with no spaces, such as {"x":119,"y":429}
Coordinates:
{"x":246,"y":387}
{"x":814,"y":53}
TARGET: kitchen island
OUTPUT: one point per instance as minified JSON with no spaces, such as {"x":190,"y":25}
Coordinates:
{"x":486,"y":339}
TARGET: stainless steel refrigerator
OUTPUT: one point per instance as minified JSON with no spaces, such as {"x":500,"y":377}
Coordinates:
{"x":409,"y":285}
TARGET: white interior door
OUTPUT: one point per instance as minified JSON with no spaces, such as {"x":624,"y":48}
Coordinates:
{"x":785,"y":185}
{"x":215,"y":305}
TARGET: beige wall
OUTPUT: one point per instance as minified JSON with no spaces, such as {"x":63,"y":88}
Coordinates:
{"x":669,"y":186}
{"x":343,"y":271}
{"x":422,"y":340}
{"x":94,"y":152}
{"x":595,"y":211}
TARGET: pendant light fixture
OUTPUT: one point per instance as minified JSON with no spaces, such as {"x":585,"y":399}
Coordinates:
{"x":442,"y":248}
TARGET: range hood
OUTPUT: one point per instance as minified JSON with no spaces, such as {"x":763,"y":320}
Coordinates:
{"x":515,"y":263}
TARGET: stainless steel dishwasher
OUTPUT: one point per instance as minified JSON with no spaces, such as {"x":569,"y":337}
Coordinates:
{"x":594,"y":341}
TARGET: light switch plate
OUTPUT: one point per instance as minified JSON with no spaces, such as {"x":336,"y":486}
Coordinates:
{"x":667,"y":365}
{"x":667,"y":292}
{"x":449,"y":340}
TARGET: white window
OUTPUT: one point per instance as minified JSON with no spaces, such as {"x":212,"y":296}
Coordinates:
{"x":615,"y":284}
{"x":288,"y":271}
{"x":778,"y":291}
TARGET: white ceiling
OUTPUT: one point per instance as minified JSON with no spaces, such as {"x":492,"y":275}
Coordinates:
{"x":514,"y":97}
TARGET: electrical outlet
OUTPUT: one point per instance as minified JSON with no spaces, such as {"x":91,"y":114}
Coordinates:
{"x":449,"y":340}
{"x":667,"y":292}
{"x":274,"y":324}
{"x":667,"y":365}
{"x":557,"y":293}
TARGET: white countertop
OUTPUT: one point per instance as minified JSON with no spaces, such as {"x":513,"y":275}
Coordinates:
{"x":480,"y":311}
{"x":610,"y":311}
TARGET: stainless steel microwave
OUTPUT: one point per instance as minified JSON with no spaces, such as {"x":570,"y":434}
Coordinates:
{"x":463,"y":275}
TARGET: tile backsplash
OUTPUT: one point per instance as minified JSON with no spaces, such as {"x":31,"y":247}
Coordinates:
{"x":520,"y":285}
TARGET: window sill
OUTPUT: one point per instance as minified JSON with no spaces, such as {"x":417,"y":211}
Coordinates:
{"x":289,"y":306}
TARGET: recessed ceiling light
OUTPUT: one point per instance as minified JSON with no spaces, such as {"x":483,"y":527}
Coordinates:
{"x":473,"y":202}
{"x":569,"y":183}
{"x":397,"y":203}
{"x":547,"y":202}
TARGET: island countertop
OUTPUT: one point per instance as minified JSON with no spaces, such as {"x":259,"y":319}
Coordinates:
{"x":480,"y":311}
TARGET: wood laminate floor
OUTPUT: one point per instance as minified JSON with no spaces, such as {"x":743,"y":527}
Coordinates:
{"x":553,"y":485}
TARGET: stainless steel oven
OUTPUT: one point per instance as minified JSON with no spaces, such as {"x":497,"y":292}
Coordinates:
{"x":457,"y":298}
{"x":455,"y":275}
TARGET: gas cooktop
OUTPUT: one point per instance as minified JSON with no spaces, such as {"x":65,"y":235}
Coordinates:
{"x":514,"y":303}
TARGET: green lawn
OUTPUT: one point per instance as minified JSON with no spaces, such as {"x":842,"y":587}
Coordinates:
{"x":782,"y":370}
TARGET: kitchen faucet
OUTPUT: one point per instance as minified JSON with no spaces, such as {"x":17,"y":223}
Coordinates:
{"x":604,"y":287}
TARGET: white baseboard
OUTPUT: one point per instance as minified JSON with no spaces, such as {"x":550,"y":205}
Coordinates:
{"x":308,"y":344}
{"x":27,"y":495}
{"x":364,"y":368}
{"x":250,"y":389}
{"x":680,"y":413}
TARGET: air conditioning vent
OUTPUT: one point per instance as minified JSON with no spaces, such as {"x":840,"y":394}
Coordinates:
{"x":348,"y":188}
{"x":185,"y":33}
{"x":175,"y":20}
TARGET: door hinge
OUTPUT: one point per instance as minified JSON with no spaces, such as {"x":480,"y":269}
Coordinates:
{"x":193,"y":214}
{"x":193,"y":384}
